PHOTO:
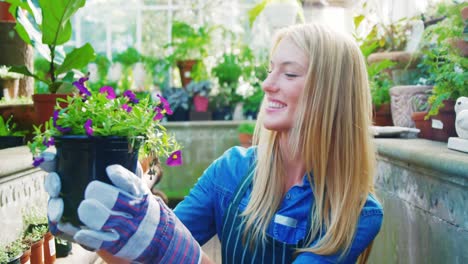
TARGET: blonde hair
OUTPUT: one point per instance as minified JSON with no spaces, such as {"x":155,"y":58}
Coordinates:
{"x":332,"y":120}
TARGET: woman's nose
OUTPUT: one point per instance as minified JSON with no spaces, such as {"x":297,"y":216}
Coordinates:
{"x":270,"y":84}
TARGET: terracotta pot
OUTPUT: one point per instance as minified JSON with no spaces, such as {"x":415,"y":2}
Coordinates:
{"x":25,"y":258}
{"x":200,"y":103}
{"x":44,"y":106}
{"x":245,"y":140}
{"x":37,"y":250}
{"x":383,"y":115}
{"x":443,"y":124}
{"x":5,"y":16}
{"x":49,"y":248}
{"x":185,"y":68}
{"x":423,"y":125}
{"x":462,"y":46}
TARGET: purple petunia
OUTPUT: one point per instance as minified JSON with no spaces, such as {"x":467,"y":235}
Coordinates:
{"x":175,"y":159}
{"x":49,"y":142}
{"x":81,"y":87}
{"x":127,"y":108}
{"x":166,"y":105}
{"x":158,"y":115}
{"x":37,"y":161}
{"x":131,"y":96}
{"x":63,"y":130}
{"x":88,"y":128}
{"x":109,"y":90}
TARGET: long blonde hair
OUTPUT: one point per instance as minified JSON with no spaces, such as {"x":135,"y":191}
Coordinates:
{"x":331,"y":133}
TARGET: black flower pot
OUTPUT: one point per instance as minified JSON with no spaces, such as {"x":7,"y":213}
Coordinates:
{"x":223,"y":113}
{"x":179,"y":114}
{"x":82,"y":159}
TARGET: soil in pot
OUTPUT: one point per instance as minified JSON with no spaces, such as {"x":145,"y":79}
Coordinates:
{"x":82,"y":159}
{"x":423,"y":125}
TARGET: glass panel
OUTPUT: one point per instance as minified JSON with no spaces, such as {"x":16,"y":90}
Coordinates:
{"x":154,"y":33}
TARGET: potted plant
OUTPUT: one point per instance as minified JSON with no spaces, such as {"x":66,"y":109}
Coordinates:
{"x":420,"y":110}
{"x":5,"y":15}
{"x":11,"y":253}
{"x":9,"y":136}
{"x":97,"y":129}
{"x":179,"y":100}
{"x":447,"y":70}
{"x":47,"y":29}
{"x":9,"y":83}
{"x":245,"y":132}
{"x":199,"y":92}
{"x":189,"y":47}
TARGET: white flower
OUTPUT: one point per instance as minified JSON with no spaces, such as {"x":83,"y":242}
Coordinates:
{"x":245,"y":89}
{"x":458,"y":69}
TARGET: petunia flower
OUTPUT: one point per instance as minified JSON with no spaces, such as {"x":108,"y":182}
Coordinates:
{"x":175,"y":159}
{"x":63,"y":130}
{"x":166,"y":105}
{"x":158,"y":115}
{"x":88,"y":128}
{"x":127,"y":108}
{"x":49,"y":142}
{"x":37,"y":161}
{"x":109,"y":90}
{"x":81,"y":87}
{"x":131,"y":96}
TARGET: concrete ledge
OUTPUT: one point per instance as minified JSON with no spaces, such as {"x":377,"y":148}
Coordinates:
{"x":431,"y":155}
{"x":14,"y":160}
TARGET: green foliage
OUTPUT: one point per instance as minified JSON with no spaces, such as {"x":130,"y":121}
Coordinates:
{"x":177,"y":98}
{"x":445,"y":65}
{"x":129,"y":57}
{"x":8,"y":128}
{"x":255,"y":11}
{"x":228,"y":70}
{"x":202,"y":88}
{"x":382,"y":36}
{"x":189,"y":43}
{"x":11,"y":251}
{"x":246,"y":128}
{"x":47,"y":27}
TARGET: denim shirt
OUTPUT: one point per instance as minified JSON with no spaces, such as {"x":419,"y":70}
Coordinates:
{"x":203,"y":209}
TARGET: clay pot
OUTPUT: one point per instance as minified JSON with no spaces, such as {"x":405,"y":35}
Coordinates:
{"x":185,"y":68}
{"x":443,"y":124}
{"x":49,"y":248}
{"x":25,"y":258}
{"x":423,"y":125}
{"x":37,"y":250}
{"x":44,"y":106}
{"x":5,"y":16}
{"x":382,"y":116}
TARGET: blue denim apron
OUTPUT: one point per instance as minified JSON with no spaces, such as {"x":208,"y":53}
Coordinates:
{"x":234,"y":251}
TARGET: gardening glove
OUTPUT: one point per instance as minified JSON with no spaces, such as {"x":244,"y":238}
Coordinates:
{"x":126,"y":220}
{"x":55,"y":205}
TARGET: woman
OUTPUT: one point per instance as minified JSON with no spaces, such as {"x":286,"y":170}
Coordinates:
{"x":304,"y":194}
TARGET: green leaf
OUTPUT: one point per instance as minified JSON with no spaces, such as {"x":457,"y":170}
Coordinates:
{"x":358,"y":20}
{"x":24,"y":70}
{"x":78,"y":58}
{"x":256,"y":10}
{"x":56,"y":25}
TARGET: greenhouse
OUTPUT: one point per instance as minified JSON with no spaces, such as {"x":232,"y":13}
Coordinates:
{"x":243,"y":131}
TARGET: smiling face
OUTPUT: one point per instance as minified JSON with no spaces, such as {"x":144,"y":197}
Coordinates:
{"x":284,"y":85}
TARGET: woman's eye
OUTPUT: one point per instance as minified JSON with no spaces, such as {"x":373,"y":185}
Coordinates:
{"x":290,"y":75}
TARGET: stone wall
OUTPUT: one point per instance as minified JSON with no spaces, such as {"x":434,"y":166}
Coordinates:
{"x":202,"y":142}
{"x":424,"y":189}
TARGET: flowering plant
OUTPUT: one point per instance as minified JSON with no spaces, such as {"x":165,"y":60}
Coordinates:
{"x":101,"y":114}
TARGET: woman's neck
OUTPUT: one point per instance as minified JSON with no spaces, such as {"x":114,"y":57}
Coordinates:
{"x":293,"y":164}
